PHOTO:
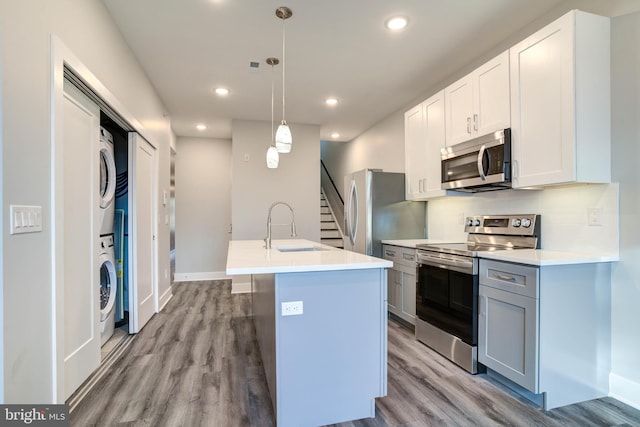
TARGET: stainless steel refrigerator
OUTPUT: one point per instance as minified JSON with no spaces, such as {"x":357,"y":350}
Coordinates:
{"x":375,"y":209}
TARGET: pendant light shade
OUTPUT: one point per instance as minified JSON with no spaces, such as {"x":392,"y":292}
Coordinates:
{"x":283,"y":134}
{"x":273,"y":158}
{"x":283,"y":138}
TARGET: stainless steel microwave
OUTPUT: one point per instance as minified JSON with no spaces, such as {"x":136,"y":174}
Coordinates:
{"x":481,"y":164}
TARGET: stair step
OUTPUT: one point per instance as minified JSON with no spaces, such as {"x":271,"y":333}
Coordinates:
{"x":336,"y":243}
{"x":325,"y":210}
{"x":330,"y":234}
{"x":328,"y":226}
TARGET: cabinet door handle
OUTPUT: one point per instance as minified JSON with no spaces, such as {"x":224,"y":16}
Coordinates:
{"x":506,"y":278}
{"x":475,"y":122}
{"x":408,"y":257}
{"x":469,"y":125}
{"x":389,"y":253}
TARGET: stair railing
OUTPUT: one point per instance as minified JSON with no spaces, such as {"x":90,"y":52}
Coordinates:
{"x":331,"y":193}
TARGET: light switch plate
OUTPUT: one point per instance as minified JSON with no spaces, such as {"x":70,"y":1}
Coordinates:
{"x":25,"y":219}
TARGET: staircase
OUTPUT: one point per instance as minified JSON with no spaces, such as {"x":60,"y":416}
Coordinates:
{"x":329,"y":232}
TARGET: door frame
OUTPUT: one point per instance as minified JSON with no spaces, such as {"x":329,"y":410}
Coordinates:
{"x":61,"y":57}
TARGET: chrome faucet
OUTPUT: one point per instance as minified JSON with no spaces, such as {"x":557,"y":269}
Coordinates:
{"x":267,"y":240}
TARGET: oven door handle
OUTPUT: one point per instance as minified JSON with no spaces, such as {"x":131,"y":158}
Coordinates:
{"x":445,"y":263}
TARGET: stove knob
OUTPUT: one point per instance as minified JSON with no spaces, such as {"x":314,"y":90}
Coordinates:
{"x":476,"y":222}
{"x":515,"y":223}
{"x":526,"y":222}
{"x":469,"y":222}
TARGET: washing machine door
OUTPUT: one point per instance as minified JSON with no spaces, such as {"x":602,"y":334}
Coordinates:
{"x":108,"y":285}
{"x":107,"y":173}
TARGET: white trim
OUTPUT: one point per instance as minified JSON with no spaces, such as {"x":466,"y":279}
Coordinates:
{"x":1,"y":252}
{"x":164,"y":298}
{"x":624,"y":390}
{"x":195,"y":277}
{"x":241,"y":287}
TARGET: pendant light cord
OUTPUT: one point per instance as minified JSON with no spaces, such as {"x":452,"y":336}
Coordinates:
{"x":273,"y":136}
{"x":283,"y":67}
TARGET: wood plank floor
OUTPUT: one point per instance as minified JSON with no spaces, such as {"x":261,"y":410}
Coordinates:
{"x":197,"y":364}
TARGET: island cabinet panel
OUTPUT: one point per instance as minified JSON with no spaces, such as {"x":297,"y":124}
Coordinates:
{"x":329,"y":363}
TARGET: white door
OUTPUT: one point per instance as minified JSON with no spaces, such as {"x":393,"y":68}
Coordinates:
{"x":143,"y":294}
{"x":80,"y":238}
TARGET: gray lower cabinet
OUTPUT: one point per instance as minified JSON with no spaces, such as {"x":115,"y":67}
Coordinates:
{"x":508,"y":335}
{"x":401,"y":298}
{"x":547,"y":328}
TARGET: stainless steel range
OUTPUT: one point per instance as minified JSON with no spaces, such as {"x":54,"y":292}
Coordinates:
{"x":447,"y":283}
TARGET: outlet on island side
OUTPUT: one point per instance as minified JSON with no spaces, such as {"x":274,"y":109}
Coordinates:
{"x":292,"y":308}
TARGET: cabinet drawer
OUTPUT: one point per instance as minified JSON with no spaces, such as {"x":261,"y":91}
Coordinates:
{"x":516,"y":278}
{"x":392,"y":253}
{"x":399,"y":255}
{"x":407,"y":257}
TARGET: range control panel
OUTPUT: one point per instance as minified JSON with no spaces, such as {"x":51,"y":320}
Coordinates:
{"x":521,"y":225}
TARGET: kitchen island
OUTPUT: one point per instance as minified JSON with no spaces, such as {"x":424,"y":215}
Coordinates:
{"x":321,"y":325}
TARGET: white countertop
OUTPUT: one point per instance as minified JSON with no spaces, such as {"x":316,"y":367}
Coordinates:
{"x":412,"y":243}
{"x":251,"y":257}
{"x":543,"y":257}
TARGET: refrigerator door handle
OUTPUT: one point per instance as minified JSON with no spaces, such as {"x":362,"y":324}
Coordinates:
{"x":352,"y":213}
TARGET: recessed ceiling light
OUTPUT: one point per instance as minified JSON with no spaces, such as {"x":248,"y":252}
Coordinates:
{"x":200,"y":126}
{"x":396,"y":23}
{"x":335,"y":135}
{"x":331,"y":101}
{"x":222,"y":91}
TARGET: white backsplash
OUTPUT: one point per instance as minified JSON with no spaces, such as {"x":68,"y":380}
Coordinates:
{"x":563,"y":210}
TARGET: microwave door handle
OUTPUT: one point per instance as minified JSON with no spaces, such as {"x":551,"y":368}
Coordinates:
{"x":481,"y":171}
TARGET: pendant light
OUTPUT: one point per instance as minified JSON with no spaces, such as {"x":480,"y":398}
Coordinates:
{"x":283,"y":134}
{"x":273,"y":158}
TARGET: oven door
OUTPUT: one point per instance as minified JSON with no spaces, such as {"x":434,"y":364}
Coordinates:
{"x":447,"y":294}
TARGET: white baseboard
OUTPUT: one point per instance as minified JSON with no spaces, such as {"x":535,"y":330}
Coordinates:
{"x":164,"y":299}
{"x":241,"y":284}
{"x":624,"y":390}
{"x":193,"y":277}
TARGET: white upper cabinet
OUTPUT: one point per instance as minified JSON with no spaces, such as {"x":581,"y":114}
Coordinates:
{"x":560,"y":103}
{"x":424,"y":138}
{"x":478,"y":104}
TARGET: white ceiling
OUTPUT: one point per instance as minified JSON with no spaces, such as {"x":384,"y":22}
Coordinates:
{"x":334,"y":48}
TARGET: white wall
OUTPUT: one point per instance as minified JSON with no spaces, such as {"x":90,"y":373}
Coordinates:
{"x":86,"y":28}
{"x":203,"y":207}
{"x":381,"y":147}
{"x":563,"y":209}
{"x":625,"y":296}
{"x":296,"y":181}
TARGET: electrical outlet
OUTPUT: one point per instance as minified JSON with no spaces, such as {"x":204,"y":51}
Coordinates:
{"x":594,"y":216}
{"x":292,"y":308}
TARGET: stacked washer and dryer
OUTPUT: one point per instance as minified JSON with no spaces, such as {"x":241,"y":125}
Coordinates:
{"x":107,"y":261}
